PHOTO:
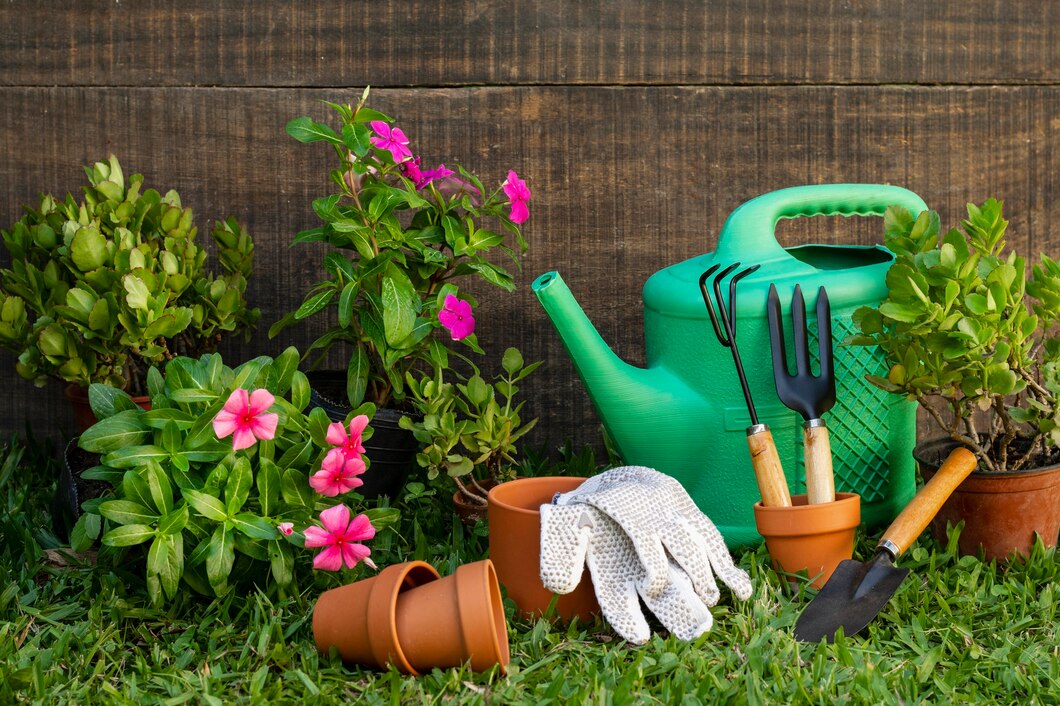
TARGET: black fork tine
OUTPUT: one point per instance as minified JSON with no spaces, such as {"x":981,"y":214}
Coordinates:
{"x":801,"y":337}
{"x":824,"y":342}
{"x":776,"y":336}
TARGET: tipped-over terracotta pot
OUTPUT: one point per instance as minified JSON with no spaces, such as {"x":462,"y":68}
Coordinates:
{"x":409,"y":617}
{"x":515,"y":547}
{"x":810,"y":538}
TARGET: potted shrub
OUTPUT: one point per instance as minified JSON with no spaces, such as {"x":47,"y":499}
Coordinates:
{"x":469,"y":430}
{"x":103,"y":288}
{"x":969,"y":334}
{"x":225,"y":479}
{"x":404,"y":238}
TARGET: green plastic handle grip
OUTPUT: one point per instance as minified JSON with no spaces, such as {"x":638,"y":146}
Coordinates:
{"x":751,"y":227}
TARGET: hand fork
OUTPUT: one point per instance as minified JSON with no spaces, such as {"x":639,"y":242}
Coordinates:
{"x":808,"y":394}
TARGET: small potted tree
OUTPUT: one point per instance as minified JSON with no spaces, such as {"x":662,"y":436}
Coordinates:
{"x":469,"y":430}
{"x":969,"y":333}
{"x":404,"y":237}
{"x":103,"y":288}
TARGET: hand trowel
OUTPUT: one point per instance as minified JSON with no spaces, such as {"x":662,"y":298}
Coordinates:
{"x":858,"y":591}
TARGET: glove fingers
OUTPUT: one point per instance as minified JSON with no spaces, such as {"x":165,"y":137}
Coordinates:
{"x":613,"y":566}
{"x":730,"y":574}
{"x":691,"y":553}
{"x":679,"y":607}
{"x":564,"y":545}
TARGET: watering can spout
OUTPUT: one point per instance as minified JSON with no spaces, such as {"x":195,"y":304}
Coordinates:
{"x":616,"y":387}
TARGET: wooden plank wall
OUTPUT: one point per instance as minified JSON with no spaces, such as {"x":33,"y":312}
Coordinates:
{"x":639,"y":127}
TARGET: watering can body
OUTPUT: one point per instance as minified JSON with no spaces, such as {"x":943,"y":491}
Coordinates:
{"x":685,"y":415}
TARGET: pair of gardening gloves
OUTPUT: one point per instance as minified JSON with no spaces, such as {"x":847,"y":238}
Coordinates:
{"x":641,"y":536}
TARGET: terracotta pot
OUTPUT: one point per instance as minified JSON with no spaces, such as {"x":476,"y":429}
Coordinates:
{"x":1002,"y":512}
{"x":810,"y":538}
{"x":409,"y":617}
{"x":83,"y":415}
{"x":468,"y":512}
{"x":515,"y":547}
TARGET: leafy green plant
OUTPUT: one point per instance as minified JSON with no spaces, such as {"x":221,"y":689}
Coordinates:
{"x":469,"y":430}
{"x":969,"y":336}
{"x":101,"y":289}
{"x":404,"y":236}
{"x":212,"y":512}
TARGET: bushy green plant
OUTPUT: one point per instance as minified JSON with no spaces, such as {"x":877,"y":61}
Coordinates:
{"x":404,"y":236}
{"x":213,"y":512}
{"x":969,"y":336}
{"x":469,"y":430}
{"x":101,"y":289}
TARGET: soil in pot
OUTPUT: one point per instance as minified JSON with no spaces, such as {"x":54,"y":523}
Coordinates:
{"x":1002,"y":512}
{"x":469,"y":512}
{"x":391,"y":451}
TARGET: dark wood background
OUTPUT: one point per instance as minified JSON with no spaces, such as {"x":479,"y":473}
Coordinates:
{"x":638,"y":126}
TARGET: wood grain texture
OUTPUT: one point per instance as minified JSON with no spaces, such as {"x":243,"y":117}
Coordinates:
{"x":625,"y":180}
{"x":769,"y":473}
{"x":481,"y":42}
{"x":914,"y":519}
{"x":817,"y":457}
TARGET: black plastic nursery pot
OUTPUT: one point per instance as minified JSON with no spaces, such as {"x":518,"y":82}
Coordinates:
{"x":72,"y":490}
{"x":391,"y":451}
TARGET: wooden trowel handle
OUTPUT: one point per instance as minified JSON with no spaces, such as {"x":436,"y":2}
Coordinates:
{"x":918,"y":513}
{"x":772,"y":483}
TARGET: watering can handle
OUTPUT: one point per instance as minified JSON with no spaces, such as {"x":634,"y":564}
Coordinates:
{"x":751,"y":227}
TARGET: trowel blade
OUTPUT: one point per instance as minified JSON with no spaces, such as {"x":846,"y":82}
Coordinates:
{"x":853,"y":596}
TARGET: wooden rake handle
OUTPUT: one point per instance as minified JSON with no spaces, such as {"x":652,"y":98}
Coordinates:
{"x":918,"y":513}
{"x":772,"y":483}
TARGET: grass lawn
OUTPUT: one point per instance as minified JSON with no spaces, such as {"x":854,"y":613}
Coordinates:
{"x":958,"y":630}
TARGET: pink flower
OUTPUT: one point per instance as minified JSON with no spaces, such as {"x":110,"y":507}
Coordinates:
{"x":456,"y":316}
{"x":411,"y":169}
{"x":518,"y":194}
{"x":348,"y":444}
{"x":286,"y":528}
{"x":244,"y":417}
{"x":391,"y":139}
{"x":422,"y":177}
{"x":340,"y":538}
{"x":337,"y":475}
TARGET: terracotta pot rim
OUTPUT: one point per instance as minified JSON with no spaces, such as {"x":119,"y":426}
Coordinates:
{"x":501,"y":495}
{"x":382,"y":610}
{"x":804,"y":520}
{"x":947,"y":444}
{"x":477,"y":582}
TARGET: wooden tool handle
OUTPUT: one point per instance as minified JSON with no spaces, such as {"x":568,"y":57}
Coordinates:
{"x":918,"y":513}
{"x":817,"y":453}
{"x":768,"y":472}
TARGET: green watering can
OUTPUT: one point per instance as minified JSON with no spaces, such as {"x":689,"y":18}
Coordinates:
{"x":685,"y":413}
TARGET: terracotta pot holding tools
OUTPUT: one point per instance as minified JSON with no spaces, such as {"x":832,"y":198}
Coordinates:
{"x":515,"y":547}
{"x":810,"y":538}
{"x":411,"y":618}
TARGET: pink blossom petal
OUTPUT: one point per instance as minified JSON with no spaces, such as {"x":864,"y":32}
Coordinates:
{"x":243,"y":438}
{"x":358,"y":424}
{"x":335,"y":459}
{"x":260,"y":400}
{"x":286,"y":528}
{"x":316,"y":537}
{"x":263,"y":426}
{"x":237,"y":402}
{"x":354,"y":467}
{"x":360,"y":529}
{"x":336,"y":519}
{"x":336,"y":434}
{"x":225,"y":424}
{"x":520,"y":213}
{"x":323,"y":481}
{"x":329,"y":560}
{"x":353,"y":553}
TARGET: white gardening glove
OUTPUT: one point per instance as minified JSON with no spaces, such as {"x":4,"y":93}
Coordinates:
{"x":657,"y":544}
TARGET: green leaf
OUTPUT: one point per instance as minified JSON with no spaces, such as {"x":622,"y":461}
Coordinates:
{"x":268,"y":482}
{"x":133,"y":456}
{"x":300,"y":391}
{"x":102,"y":399}
{"x":88,"y":249}
{"x":281,"y":562}
{"x":173,"y":569}
{"x":85,"y":531}
{"x":283,"y":370}
{"x":175,"y":521}
{"x":297,"y":456}
{"x":306,"y":130}
{"x":346,"y":302}
{"x":192,"y":395}
{"x":512,"y":361}
{"x":115,"y":432}
{"x":314,"y":303}
{"x":357,"y":375}
{"x":160,"y":487}
{"x":156,"y":384}
{"x":399,"y":305}
{"x":206,"y":505}
{"x":253,"y":526}
{"x":220,"y":557}
{"x":161,"y":417}
{"x":128,"y":535}
{"x":169,"y":324}
{"x":295,"y":489}
{"x":138,"y":295}
{"x":127,"y":512}
{"x":237,"y":488}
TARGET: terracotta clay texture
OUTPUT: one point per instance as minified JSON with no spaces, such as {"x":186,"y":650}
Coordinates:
{"x":810,"y":538}
{"x":515,"y":547}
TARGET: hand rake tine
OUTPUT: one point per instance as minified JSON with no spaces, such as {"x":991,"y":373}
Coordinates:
{"x":710,"y":306}
{"x":726,"y":317}
{"x":799,"y":333}
{"x":732,"y":294}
